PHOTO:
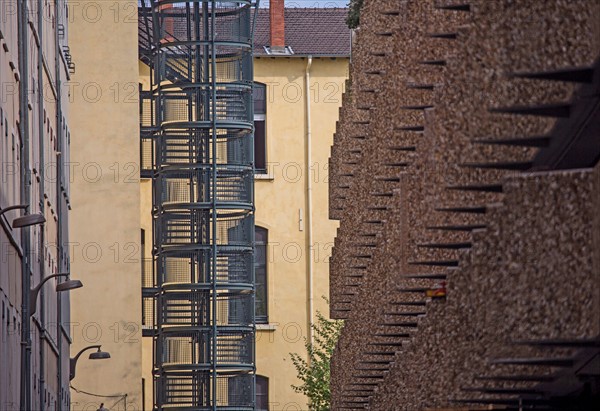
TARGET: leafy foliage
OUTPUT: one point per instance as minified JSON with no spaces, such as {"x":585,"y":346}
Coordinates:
{"x":315,"y":373}
{"x":353,"y":19}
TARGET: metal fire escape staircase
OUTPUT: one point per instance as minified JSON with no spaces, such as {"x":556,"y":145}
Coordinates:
{"x":197,"y":146}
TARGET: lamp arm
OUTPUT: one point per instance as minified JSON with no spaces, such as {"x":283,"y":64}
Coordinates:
{"x":73,"y":361}
{"x":91,"y":347}
{"x":15,"y":207}
{"x":33,"y":293}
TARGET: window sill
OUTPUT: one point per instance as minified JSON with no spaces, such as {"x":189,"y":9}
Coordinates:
{"x":266,"y":327}
{"x":263,"y":176}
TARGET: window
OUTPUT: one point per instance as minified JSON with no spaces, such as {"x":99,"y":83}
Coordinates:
{"x":262,"y":393}
{"x":260,"y":272}
{"x":260,"y":116}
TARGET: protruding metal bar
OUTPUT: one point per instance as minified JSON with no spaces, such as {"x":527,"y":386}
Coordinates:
{"x":467,"y":227}
{"x":408,"y":325}
{"x":546,"y":362}
{"x":417,"y":107}
{"x":502,"y":391}
{"x":516,"y":377}
{"x":386,"y":344}
{"x":410,"y":128}
{"x":547,"y":110}
{"x":558,"y":342}
{"x":433,"y":62}
{"x":417,"y":86}
{"x":488,"y":188}
{"x":471,"y":209}
{"x":432,"y":276}
{"x":413,"y":290}
{"x":406,"y":314}
{"x":447,"y":36}
{"x":391,"y":353}
{"x":392,"y":335}
{"x":410,"y":303}
{"x":404,"y":148}
{"x":448,"y":246}
{"x":502,"y":165}
{"x":574,"y":74}
{"x":436,"y":263}
{"x":368,"y":377}
{"x":455,"y":7}
{"x":538,"y":141}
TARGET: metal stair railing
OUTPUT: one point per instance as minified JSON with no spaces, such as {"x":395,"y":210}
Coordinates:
{"x":203,"y":203}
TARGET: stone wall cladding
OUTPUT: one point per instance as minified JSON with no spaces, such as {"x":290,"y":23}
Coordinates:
{"x":420,"y":199}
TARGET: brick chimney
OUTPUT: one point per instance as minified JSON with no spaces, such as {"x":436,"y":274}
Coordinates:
{"x":277,"y":16}
{"x":168,"y":22}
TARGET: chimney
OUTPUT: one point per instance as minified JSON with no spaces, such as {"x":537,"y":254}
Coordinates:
{"x":168,"y":23}
{"x":277,"y":16}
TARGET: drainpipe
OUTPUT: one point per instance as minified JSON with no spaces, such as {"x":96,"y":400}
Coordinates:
{"x":40,"y":159}
{"x":309,"y":259}
{"x":25,"y":389}
{"x":60,"y":211}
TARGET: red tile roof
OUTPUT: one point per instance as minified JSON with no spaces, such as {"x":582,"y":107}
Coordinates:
{"x":314,"y":31}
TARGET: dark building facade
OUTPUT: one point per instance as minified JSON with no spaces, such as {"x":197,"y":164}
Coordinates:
{"x":35,"y":65}
{"x":465,"y":177}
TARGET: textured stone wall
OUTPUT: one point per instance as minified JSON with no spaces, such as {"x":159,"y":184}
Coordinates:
{"x":422,"y":196}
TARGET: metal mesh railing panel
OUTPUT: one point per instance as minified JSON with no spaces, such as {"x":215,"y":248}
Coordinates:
{"x":187,"y":308}
{"x":147,"y":163}
{"x":189,"y":227}
{"x":148,"y":277}
{"x":192,"y":146}
{"x":232,"y":267}
{"x":201,"y":164}
{"x":234,"y":392}
{"x":194,"y":308}
{"x":148,"y":311}
{"x":195,"y":187}
{"x":233,"y":102}
{"x":233,"y":19}
{"x":193,"y":349}
{"x":147,"y":107}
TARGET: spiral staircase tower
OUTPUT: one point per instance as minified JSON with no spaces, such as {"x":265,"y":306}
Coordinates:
{"x":203,"y":203}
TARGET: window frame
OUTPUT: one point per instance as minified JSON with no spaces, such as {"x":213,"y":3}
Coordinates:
{"x":262,"y":319}
{"x":260,"y":117}
{"x":265,"y":380}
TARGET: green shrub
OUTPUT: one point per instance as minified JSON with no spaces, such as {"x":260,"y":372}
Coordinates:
{"x":315,"y":372}
{"x":353,"y":19}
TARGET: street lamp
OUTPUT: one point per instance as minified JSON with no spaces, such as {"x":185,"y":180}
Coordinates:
{"x":64,"y":286}
{"x":26,"y":220}
{"x":98,"y":355}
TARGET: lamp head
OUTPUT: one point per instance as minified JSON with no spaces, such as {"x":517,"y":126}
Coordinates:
{"x":69,"y":285}
{"x":28,"y":220}
{"x":99,"y":355}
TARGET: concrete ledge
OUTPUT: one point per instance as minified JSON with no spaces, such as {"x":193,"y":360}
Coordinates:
{"x":266,"y":327}
{"x":269,"y":177}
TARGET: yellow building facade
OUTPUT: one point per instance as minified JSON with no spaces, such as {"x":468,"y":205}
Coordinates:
{"x":283,"y":209}
{"x":104,"y":227}
{"x":300,"y":236}
{"x":302,"y":95}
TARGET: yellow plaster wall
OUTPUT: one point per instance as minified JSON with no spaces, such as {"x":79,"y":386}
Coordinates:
{"x":146,"y":224}
{"x":105,"y":220}
{"x":281,"y":202}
